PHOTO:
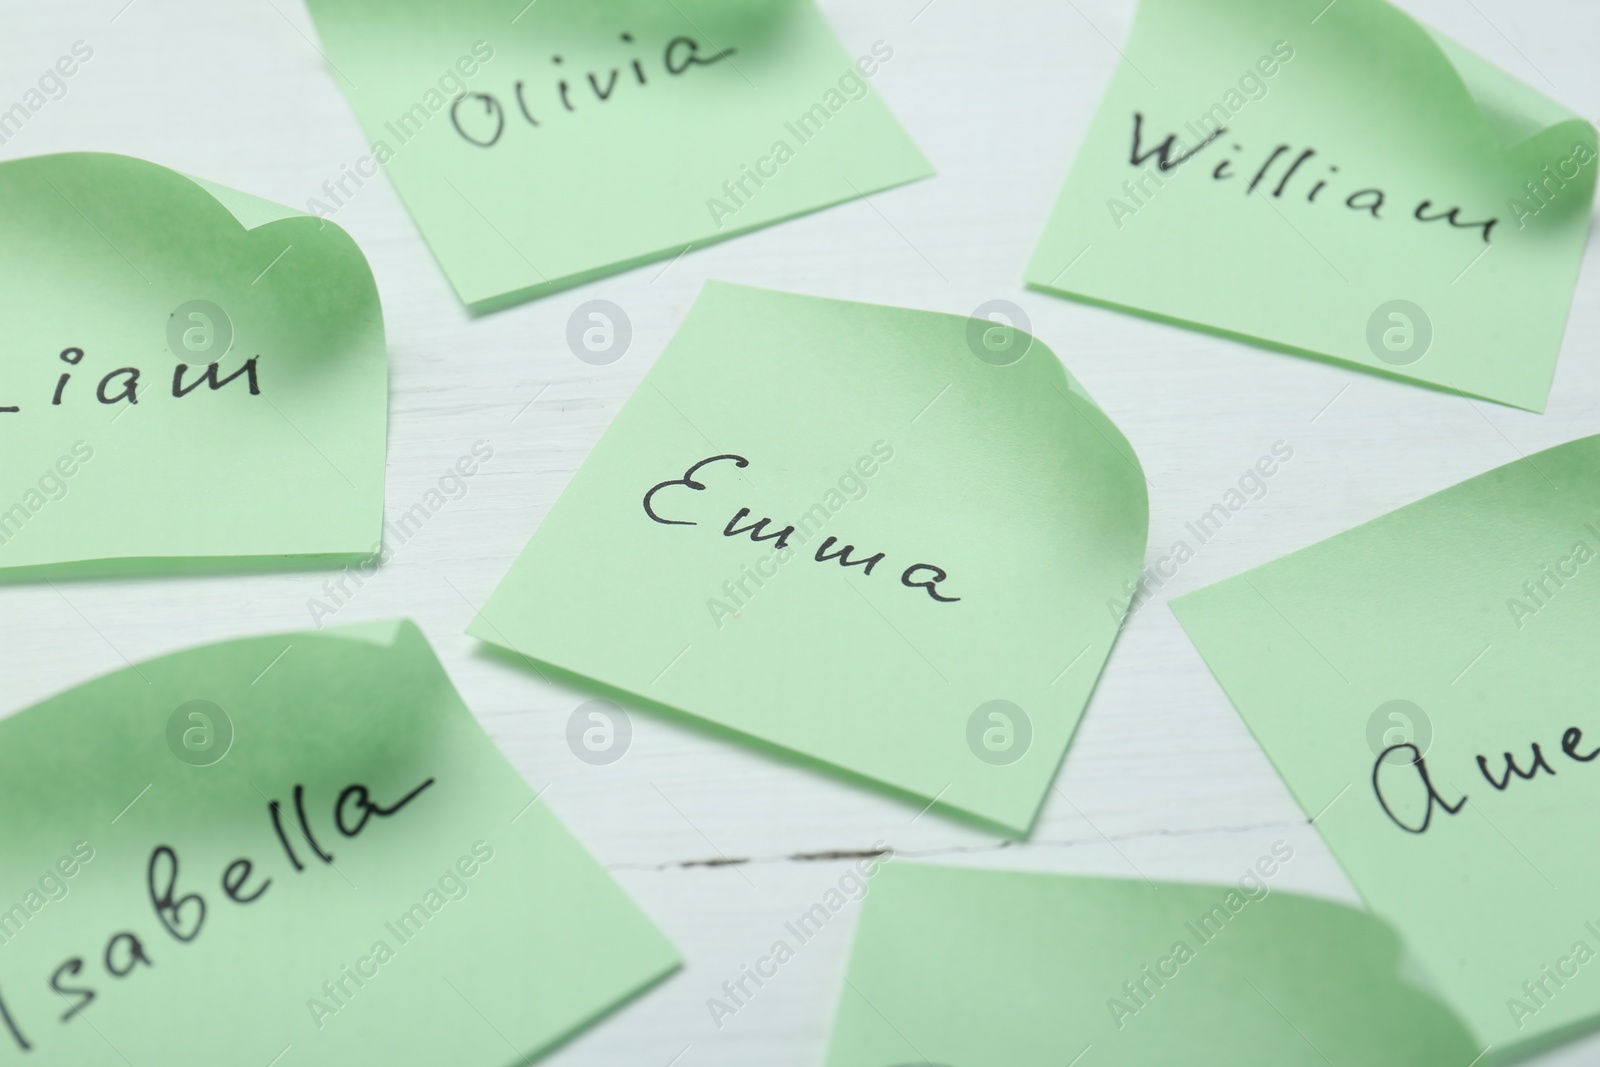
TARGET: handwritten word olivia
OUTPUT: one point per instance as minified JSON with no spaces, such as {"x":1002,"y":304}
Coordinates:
{"x":182,"y":915}
{"x":122,"y":384}
{"x":923,"y":576}
{"x":1571,"y":739}
{"x":1170,"y":153}
{"x":484,"y":121}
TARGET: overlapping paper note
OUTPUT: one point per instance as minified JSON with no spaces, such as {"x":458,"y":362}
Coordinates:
{"x":1335,"y":181}
{"x":298,"y":848}
{"x":540,"y":149}
{"x":191,"y":377}
{"x":895,"y":542}
{"x":968,"y":968}
{"x":1425,"y":683}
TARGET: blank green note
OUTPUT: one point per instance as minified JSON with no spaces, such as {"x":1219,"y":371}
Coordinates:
{"x":972,"y":968}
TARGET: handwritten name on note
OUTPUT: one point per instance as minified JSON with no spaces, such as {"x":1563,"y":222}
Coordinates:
{"x":483,"y":121}
{"x":125,"y":384}
{"x":1277,"y":168}
{"x":1359,"y":166}
{"x":616,"y":112}
{"x":181,"y":911}
{"x":924,"y":576}
{"x":739,"y":457}
{"x":297,"y":859}
{"x":1402,"y":784}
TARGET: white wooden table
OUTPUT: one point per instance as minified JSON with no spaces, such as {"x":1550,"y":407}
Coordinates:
{"x":1162,"y":780}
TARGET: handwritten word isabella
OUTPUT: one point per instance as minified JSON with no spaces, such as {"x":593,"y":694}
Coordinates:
{"x":924,"y":576}
{"x":182,"y":915}
{"x":483,"y":121}
{"x":1409,"y":779}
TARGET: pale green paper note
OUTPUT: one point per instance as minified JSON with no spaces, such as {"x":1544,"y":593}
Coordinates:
{"x":896,"y":433}
{"x":1326,"y":270}
{"x":426,"y":910}
{"x":196,"y":379}
{"x":544,"y":148}
{"x":1459,"y":627}
{"x":972,"y":968}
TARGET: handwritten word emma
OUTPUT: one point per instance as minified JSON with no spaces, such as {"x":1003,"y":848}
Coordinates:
{"x":182,"y":915}
{"x":924,"y":576}
{"x":480,"y":118}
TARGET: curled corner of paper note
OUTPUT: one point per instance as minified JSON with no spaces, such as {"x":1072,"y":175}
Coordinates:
{"x":963,"y":967}
{"x":195,"y":379}
{"x":248,"y":210}
{"x":896,"y":543}
{"x":1554,"y":146}
{"x":1513,"y":111}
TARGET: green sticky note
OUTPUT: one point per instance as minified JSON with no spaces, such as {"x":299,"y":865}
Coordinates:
{"x":968,"y":968}
{"x":1330,"y":180}
{"x":192,"y":378}
{"x":299,"y":847}
{"x":1460,"y":629}
{"x":542,"y":148}
{"x":894,"y":542}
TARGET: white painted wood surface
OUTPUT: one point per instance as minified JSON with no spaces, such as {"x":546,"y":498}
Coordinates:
{"x":1162,"y":780}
